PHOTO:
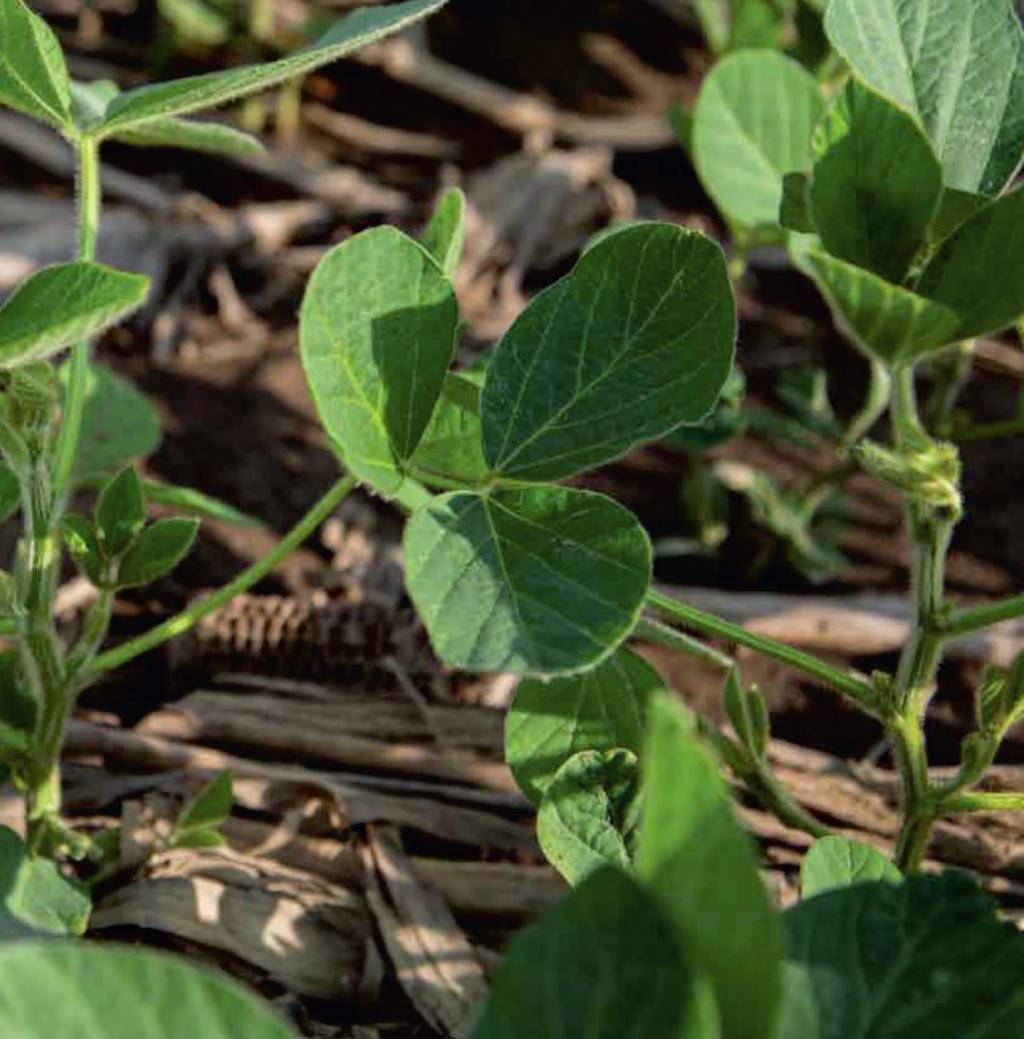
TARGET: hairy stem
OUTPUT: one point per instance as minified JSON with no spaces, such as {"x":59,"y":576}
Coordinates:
{"x":963,"y":622}
{"x":662,"y":635}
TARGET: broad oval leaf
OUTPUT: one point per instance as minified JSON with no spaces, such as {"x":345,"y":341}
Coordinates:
{"x":377,"y":333}
{"x":752,"y":125}
{"x":445,"y":234}
{"x":156,"y":551}
{"x":590,"y":812}
{"x":90,"y":991}
{"x":975,"y":271}
{"x":927,"y":957}
{"x":33,"y":76}
{"x":957,"y":66}
{"x":836,"y":862}
{"x":702,"y":868}
{"x":876,"y":183}
{"x":603,"y":964}
{"x":135,"y":108}
{"x":887,"y":322}
{"x":34,"y":894}
{"x":635,"y":341}
{"x":549,"y":722}
{"x":450,"y":447}
{"x":545,"y":581}
{"x":61,"y":305}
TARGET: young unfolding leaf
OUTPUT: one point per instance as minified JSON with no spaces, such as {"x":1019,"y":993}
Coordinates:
{"x":35,"y":894}
{"x":91,"y":991}
{"x":444,"y":235}
{"x":589,"y":814}
{"x":80,"y":539}
{"x":120,"y":512}
{"x":928,"y":956}
{"x":60,"y":305}
{"x":377,"y":333}
{"x":625,"y":978}
{"x":635,"y":341}
{"x":957,"y":66}
{"x":450,"y":446}
{"x":33,"y":76}
{"x":156,"y":551}
{"x":752,"y":125}
{"x":702,"y":868}
{"x":135,"y":108}
{"x":835,"y":862}
{"x":876,"y":183}
{"x":545,"y":580}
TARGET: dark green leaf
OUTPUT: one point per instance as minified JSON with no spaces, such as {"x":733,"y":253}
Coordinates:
{"x":637,"y":340}
{"x":876,"y":183}
{"x":548,"y":722}
{"x":35,"y":894}
{"x":955,"y":208}
{"x":33,"y":76}
{"x":545,"y":580}
{"x":702,"y":868}
{"x":10,"y":492}
{"x":443,"y":237}
{"x":136,"y":108}
{"x":18,"y":708}
{"x":377,"y":332}
{"x":189,"y":500}
{"x":836,"y":862}
{"x":211,"y":806}
{"x":795,"y":208}
{"x":60,"y":305}
{"x":957,"y":66}
{"x":81,"y":990}
{"x":603,"y":964}
{"x":927,"y":957}
{"x":590,"y":812}
{"x":81,"y":541}
{"x":120,"y":512}
{"x":451,"y":446}
{"x":156,"y":551}
{"x":752,"y":125}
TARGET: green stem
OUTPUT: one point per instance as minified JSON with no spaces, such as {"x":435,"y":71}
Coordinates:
{"x":963,"y":622}
{"x":990,"y":431}
{"x":662,"y":635}
{"x":187,"y":619}
{"x":851,"y":685}
{"x":94,"y":631}
{"x":984,"y":801}
{"x":875,"y":403}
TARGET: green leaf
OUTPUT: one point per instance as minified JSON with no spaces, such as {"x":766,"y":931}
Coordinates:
{"x":975,"y":272}
{"x":377,"y":333}
{"x":602,"y":964}
{"x":35,"y":894}
{"x":199,"y":839}
{"x":590,"y":812}
{"x":955,"y":208}
{"x":120,"y":512}
{"x":195,"y":503}
{"x":836,"y":862}
{"x":451,"y":447}
{"x":752,"y":125}
{"x":445,"y":234}
{"x":702,"y":868}
{"x":957,"y":66}
{"x":33,"y":76}
{"x":119,"y":424}
{"x":18,"y":707}
{"x":10,"y":492}
{"x":927,"y":957}
{"x":81,"y":541}
{"x":60,"y":305}
{"x":795,"y":208}
{"x":635,"y":341}
{"x":549,"y":722}
{"x":876,"y":183}
{"x":156,"y":551}
{"x":211,"y":806}
{"x":136,"y":108}
{"x":545,"y":580}
{"x":91,"y":991}
{"x":886,"y":321}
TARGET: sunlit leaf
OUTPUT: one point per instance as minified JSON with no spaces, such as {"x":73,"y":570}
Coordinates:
{"x":836,"y":862}
{"x":33,"y":76}
{"x":35,"y":894}
{"x":443,"y":237}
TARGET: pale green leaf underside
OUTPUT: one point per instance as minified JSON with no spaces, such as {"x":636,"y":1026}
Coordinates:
{"x":61,"y":305}
{"x":927,"y":957}
{"x":888,"y":322}
{"x":134,"y":108}
{"x":444,"y":235}
{"x":956,"y":65}
{"x":546,"y":580}
{"x":92,"y":991}
{"x":635,"y":341}
{"x":752,"y":125}
{"x":549,"y":722}
{"x":589,"y":814}
{"x":33,"y":76}
{"x":701,"y":866}
{"x":377,"y":332}
{"x":35,"y":895}
{"x":836,"y":862}
{"x":603,"y":964}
